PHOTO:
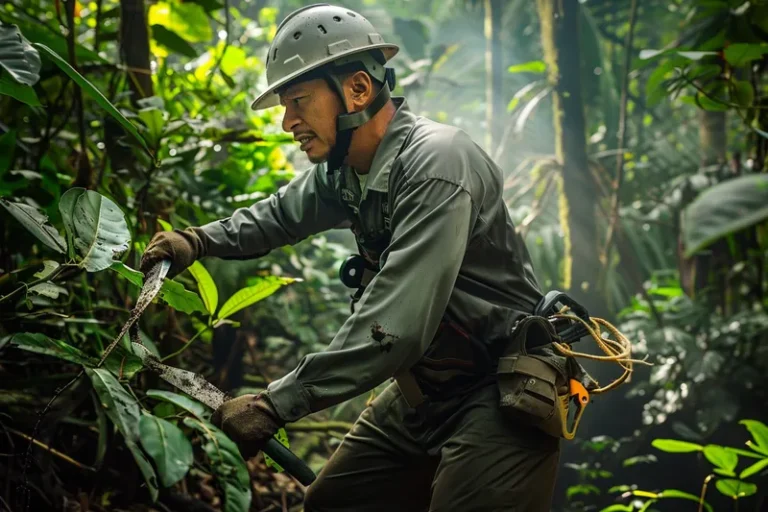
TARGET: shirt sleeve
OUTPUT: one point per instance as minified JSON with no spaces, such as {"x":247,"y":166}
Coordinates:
{"x":305,"y":206}
{"x":399,"y":313}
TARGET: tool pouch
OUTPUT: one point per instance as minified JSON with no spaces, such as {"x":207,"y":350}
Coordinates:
{"x":535,"y":388}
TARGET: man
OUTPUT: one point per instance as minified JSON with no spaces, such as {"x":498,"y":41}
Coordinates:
{"x":445,"y":274}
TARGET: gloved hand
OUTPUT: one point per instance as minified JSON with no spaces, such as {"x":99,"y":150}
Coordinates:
{"x":249,"y":420}
{"x":182,"y":247}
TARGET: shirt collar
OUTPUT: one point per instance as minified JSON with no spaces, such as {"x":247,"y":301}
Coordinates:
{"x":394,"y":137}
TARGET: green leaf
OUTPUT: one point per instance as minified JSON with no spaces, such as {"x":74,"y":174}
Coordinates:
{"x":17,"y":57}
{"x":207,"y":287}
{"x":96,"y":226}
{"x":236,"y":499}
{"x":754,"y":468}
{"x":740,"y":54}
{"x":281,"y":436}
{"x":227,"y":463}
{"x":586,"y":489}
{"x":42,"y":344}
{"x":721,"y":458}
{"x":188,"y":404}
{"x":49,"y":289}
{"x":744,"y":453}
{"x":674,"y":493}
{"x":618,"y":508}
{"x":36,"y":223}
{"x":36,"y":32}
{"x":168,"y":447}
{"x":154,"y":125}
{"x":736,"y":488}
{"x":173,"y":41}
{"x":247,"y":296}
{"x":187,"y":20}
{"x":48,"y":268}
{"x":414,"y":34}
{"x":724,"y":209}
{"x":118,"y":361}
{"x":534,"y":66}
{"x":742,"y":93}
{"x":631,"y":461}
{"x":165,"y":225}
{"x":94,"y":93}
{"x":759,"y":433}
{"x":172,"y":293}
{"x":17,"y":91}
{"x":124,"y":412}
{"x":675,"y":446}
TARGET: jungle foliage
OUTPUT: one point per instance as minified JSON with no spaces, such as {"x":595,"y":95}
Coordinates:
{"x":120,"y":118}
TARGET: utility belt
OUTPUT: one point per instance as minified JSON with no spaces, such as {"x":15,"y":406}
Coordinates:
{"x":540,"y":381}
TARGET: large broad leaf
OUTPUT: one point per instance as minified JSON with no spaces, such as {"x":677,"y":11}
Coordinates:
{"x":17,"y":57}
{"x":265,"y":287}
{"x":187,"y":20}
{"x":740,"y":54}
{"x":17,"y":91}
{"x":675,"y":446}
{"x":172,"y":292}
{"x":124,"y":412}
{"x":168,"y":447}
{"x":36,"y":32}
{"x":207,"y":287}
{"x":736,"y":488}
{"x":173,"y":41}
{"x":188,"y":404}
{"x":724,"y":209}
{"x":36,"y":223}
{"x":89,"y":89}
{"x":96,"y":226}
{"x":227,"y":463}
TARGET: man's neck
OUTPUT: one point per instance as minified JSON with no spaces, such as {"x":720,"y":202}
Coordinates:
{"x":366,"y":139}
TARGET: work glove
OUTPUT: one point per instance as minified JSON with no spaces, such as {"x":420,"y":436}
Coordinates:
{"x":181,"y":247}
{"x":249,"y":420}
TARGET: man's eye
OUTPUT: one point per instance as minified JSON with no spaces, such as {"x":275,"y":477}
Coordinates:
{"x":297,"y":100}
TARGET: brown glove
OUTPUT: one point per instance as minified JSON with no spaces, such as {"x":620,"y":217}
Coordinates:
{"x":181,"y":247}
{"x":249,"y":420}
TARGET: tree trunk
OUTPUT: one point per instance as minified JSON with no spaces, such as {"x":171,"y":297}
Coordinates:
{"x":134,"y":48}
{"x":577,"y":193}
{"x":494,"y":74}
{"x":712,"y":138}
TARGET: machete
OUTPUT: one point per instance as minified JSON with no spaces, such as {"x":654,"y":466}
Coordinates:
{"x":196,"y":386}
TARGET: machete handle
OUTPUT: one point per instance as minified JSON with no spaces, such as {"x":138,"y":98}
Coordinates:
{"x":289,"y":462}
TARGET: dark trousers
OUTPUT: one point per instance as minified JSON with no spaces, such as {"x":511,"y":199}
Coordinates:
{"x":456,"y":455}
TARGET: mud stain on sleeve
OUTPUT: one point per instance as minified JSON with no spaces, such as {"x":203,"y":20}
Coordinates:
{"x":384,"y":339}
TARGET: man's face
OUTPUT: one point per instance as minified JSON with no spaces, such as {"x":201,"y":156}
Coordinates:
{"x":311,"y":109}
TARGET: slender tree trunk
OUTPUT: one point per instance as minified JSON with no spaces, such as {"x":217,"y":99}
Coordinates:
{"x":494,"y":73}
{"x":712,"y":137}
{"x":134,"y":48}
{"x":577,"y":193}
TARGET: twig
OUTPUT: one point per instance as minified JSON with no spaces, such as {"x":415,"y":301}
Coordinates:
{"x":186,"y":345}
{"x":322,"y":426}
{"x":49,"y":277}
{"x":622,"y":134}
{"x":226,"y":45}
{"x":53,"y":451}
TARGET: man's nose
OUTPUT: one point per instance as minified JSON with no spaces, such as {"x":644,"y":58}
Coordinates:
{"x":289,"y":120}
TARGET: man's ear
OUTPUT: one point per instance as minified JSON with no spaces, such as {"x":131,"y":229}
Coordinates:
{"x":360,"y":91}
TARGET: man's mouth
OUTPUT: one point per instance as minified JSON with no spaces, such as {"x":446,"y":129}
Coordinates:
{"x":305,"y":141}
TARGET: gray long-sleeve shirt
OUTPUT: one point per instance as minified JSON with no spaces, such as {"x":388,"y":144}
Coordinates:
{"x":453,"y":249}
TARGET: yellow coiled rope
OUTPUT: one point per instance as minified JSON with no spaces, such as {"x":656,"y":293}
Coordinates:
{"x":618,"y":351}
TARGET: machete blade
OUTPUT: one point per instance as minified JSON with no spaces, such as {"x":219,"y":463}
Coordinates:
{"x":191,"y":383}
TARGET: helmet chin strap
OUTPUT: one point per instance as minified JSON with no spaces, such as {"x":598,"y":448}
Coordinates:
{"x":347,"y":123}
